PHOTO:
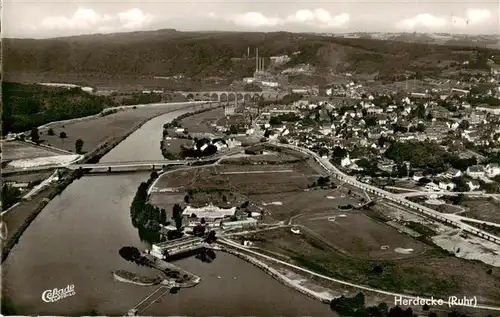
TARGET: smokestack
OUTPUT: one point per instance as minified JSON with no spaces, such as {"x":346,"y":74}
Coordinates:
{"x":257,"y":59}
{"x":248,"y":52}
{"x":263,"y":63}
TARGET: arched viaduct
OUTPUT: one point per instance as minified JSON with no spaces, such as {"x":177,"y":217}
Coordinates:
{"x":226,"y":96}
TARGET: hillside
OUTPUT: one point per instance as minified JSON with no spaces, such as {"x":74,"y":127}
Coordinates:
{"x":209,"y":54}
{"x":27,"y":106}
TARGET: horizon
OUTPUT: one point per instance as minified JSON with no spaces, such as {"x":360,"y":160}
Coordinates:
{"x":333,"y":34}
{"x":60,"y":18}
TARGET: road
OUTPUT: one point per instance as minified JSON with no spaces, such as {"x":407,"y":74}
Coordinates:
{"x":445,"y":193}
{"x":371,"y":289}
{"x":124,"y":165}
{"x":393,"y":197}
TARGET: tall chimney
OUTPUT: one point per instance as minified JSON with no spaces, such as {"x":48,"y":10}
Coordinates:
{"x":248,"y":52}
{"x":263,"y":63}
{"x":257,"y":59}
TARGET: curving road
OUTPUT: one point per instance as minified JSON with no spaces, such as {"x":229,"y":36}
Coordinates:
{"x":445,"y":193}
{"x":325,"y":163}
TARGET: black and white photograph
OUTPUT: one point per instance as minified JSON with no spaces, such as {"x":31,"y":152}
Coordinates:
{"x":250,"y":158}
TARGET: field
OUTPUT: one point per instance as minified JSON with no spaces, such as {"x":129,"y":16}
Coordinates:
{"x":357,"y":235}
{"x":16,"y":150}
{"x":282,"y":206}
{"x":246,"y":179}
{"x":26,"y":178}
{"x":97,"y":130}
{"x":482,"y":209}
{"x":270,"y":157}
{"x":201,"y":123}
{"x":173,"y":145}
{"x":432,"y":274}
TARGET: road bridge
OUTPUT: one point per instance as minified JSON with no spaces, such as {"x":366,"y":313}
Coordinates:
{"x":158,"y":164}
{"x":325,"y":163}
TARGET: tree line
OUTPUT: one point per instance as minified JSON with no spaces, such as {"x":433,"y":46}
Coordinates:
{"x":355,"y":307}
{"x":27,"y":106}
{"x":143,"y":214}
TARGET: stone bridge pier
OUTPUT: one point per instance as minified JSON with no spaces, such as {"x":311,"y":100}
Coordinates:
{"x":225,"y":96}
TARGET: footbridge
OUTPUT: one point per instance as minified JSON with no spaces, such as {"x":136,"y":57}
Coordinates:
{"x":428,"y":212}
{"x":227,"y":96}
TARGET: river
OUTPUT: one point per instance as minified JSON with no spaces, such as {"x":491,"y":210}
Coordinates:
{"x":76,"y":238}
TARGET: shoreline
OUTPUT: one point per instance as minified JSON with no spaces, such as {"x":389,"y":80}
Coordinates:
{"x":275,"y":274}
{"x":125,"y":280}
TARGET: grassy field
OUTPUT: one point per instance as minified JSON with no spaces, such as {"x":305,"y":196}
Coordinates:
{"x":26,"y":178}
{"x":16,"y":150}
{"x":432,"y":274}
{"x":173,"y":145}
{"x":270,"y":158}
{"x":201,"y":123}
{"x":247,"y":179}
{"x":97,"y":130}
{"x":357,"y":235}
{"x":282,"y":206}
{"x":482,"y":209}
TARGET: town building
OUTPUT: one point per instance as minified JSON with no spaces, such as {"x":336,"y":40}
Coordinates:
{"x":210,"y":212}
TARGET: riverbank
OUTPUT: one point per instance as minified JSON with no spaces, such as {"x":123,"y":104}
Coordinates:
{"x":176,"y":153}
{"x":17,"y":225}
{"x":276,"y":274}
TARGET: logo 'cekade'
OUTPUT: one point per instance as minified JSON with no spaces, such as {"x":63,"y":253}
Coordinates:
{"x":53,"y":295}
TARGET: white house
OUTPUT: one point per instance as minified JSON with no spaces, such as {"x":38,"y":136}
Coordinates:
{"x":431,"y":187}
{"x":346,"y":161}
{"x":417,"y":176}
{"x":446,"y":185}
{"x":476,"y":171}
{"x":209,"y":212}
{"x":473,"y":185}
{"x":492,"y":169}
{"x":452,"y":173}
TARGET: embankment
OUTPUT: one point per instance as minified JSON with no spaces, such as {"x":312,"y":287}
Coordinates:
{"x":275,"y":274}
{"x":49,"y":194}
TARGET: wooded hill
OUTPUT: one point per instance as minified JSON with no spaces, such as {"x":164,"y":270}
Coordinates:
{"x":204,"y":54}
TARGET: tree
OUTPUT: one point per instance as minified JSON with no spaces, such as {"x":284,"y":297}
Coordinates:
{"x":199,"y":230}
{"x":78,"y":146}
{"x":163,"y":217}
{"x":50,"y":132}
{"x":233,"y":129}
{"x":378,"y":269}
{"x":10,"y":196}
{"x":63,"y":135}
{"x":153,"y":175}
{"x":177,"y":216}
{"x":34,"y":135}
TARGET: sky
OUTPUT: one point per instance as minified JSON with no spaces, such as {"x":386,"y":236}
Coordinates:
{"x":42,"y":18}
